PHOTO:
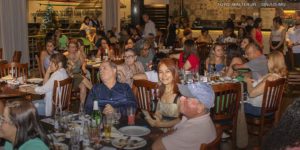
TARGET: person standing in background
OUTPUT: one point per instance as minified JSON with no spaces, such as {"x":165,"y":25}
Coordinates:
{"x":293,"y":40}
{"x":149,"y":26}
{"x":171,"y":36}
{"x":95,"y":23}
{"x":85,"y":25}
{"x":256,"y":33}
{"x":277,"y":35}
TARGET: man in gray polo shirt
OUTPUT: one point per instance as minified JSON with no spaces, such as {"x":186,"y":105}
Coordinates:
{"x":258,"y":64}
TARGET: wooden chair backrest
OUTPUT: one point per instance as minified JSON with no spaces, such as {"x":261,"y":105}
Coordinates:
{"x":215,"y":144}
{"x":118,"y":62}
{"x":227,"y":100}
{"x":19,"y":69}
{"x":272,"y":97}
{"x":203,"y":50}
{"x":145,"y":91}
{"x":87,"y":49}
{"x":17,"y":56}
{"x":37,"y":59}
{"x":294,"y":79}
{"x":62,"y":93}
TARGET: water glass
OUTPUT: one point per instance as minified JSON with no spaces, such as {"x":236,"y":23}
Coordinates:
{"x":117,"y":115}
{"x":131,"y":115}
{"x":107,"y":123}
{"x":75,"y":139}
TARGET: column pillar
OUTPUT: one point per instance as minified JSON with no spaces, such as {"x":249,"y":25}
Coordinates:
{"x":111,"y":14}
{"x":137,"y":11}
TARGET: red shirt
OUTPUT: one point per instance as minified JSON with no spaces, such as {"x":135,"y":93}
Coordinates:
{"x":193,"y":59}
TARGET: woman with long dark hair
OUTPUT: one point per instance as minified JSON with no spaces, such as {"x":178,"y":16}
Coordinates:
{"x":233,"y":56}
{"x":85,"y":25}
{"x":277,"y":37}
{"x":189,"y":58}
{"x":285,"y":135}
{"x":256,"y":34}
{"x":166,"y":113}
{"x":20,"y":127}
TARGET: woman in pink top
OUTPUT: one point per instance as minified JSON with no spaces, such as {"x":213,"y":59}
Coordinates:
{"x":256,"y":32}
{"x":188,"y":59}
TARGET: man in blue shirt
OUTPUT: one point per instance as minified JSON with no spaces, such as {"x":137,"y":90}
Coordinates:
{"x":110,"y":93}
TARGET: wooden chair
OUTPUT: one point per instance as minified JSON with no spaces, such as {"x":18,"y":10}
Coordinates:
{"x":17,"y":56}
{"x":87,"y":49}
{"x":271,"y":103}
{"x":293,"y":80}
{"x":203,"y":50}
{"x":37,"y":59}
{"x":62,"y":94}
{"x":215,"y":144}
{"x":19,"y":69}
{"x":145,"y":91}
{"x":227,"y":100}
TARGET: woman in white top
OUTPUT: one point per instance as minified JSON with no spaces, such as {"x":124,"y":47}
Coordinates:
{"x":152,"y":74}
{"x":277,"y":69}
{"x":277,"y":37}
{"x":85,"y":26}
{"x":57,"y":67}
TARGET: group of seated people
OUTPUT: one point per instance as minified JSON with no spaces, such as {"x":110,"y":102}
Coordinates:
{"x":174,"y":100}
{"x":182,"y":107}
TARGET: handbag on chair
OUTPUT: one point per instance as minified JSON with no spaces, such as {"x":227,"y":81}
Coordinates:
{"x":242,"y":131}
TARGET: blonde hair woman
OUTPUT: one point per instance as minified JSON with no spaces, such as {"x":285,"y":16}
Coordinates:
{"x":277,"y":69}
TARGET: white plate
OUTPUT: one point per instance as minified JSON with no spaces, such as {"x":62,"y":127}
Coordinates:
{"x":35,"y":80}
{"x":119,"y":144}
{"x":134,"y":130}
{"x":13,"y":82}
{"x":61,"y":146}
{"x":235,"y":80}
{"x":59,"y":136}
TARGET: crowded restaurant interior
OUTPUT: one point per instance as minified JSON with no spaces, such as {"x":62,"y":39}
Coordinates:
{"x":149,"y":74}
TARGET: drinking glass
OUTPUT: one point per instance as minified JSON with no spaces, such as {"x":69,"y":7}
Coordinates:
{"x":117,"y":115}
{"x":75,"y":139}
{"x":131,"y":115}
{"x":94,"y":135}
{"x":189,"y":77}
{"x":107,"y":122}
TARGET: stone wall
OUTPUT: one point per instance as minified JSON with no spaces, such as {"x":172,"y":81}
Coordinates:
{"x":221,"y":9}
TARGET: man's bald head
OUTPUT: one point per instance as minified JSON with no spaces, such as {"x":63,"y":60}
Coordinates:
{"x":252,"y":51}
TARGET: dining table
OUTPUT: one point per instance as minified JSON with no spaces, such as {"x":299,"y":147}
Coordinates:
{"x":3,"y":61}
{"x":139,"y":122}
{"x":9,"y":91}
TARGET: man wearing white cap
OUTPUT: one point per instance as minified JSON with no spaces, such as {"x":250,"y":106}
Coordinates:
{"x":196,"y":126}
